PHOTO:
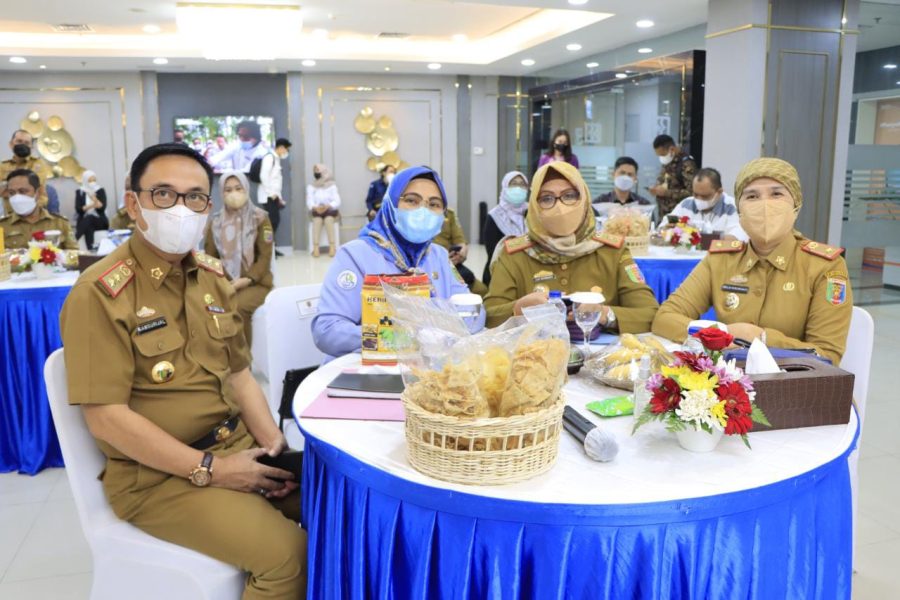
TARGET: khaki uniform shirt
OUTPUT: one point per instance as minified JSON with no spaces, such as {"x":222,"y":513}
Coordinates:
{"x":40,"y":167}
{"x":162,"y":339}
{"x":800,"y":294}
{"x":121,"y":220}
{"x":261,"y":269}
{"x":678,"y":176}
{"x":611,"y":267}
{"x":17,"y":231}
{"x":451,"y":232}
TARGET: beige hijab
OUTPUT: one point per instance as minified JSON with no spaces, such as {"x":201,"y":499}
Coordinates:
{"x":326,"y":180}
{"x":550,"y":249}
{"x":234,"y":231}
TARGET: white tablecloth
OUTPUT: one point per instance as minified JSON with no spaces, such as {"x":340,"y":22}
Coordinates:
{"x":21,"y":281}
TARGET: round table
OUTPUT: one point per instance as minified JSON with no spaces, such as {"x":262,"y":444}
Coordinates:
{"x":29,"y":311}
{"x":657,"y":522}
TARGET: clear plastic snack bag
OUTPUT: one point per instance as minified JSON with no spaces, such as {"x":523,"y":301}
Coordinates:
{"x":617,"y":364}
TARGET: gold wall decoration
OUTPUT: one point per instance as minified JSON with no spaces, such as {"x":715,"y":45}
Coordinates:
{"x":382,"y":140}
{"x":54,"y":144}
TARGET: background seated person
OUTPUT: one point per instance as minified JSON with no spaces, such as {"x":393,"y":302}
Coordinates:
{"x":27,"y":218}
{"x":780,"y":287}
{"x":241,"y":236}
{"x":323,"y":202}
{"x":398,"y":240}
{"x":507,"y":218}
{"x":377,"y":189}
{"x":562,"y":251}
{"x":90,"y":206}
{"x":625,"y":172}
{"x":453,"y":239}
{"x":710,"y":208}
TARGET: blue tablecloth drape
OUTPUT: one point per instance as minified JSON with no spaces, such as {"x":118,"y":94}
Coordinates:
{"x":29,"y":334}
{"x":665,"y":275}
{"x":374,"y":535}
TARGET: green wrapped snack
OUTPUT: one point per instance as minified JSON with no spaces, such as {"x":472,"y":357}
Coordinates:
{"x":612,"y":407}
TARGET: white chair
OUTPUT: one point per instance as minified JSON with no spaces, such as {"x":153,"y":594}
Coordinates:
{"x":337,"y":235}
{"x":128,"y":563}
{"x":858,"y":360}
{"x":285,"y":322}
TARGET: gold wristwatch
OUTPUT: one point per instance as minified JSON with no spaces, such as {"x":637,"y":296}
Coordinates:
{"x":202,"y":474}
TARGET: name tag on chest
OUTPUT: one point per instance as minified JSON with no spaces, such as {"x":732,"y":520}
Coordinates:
{"x":738,"y":289}
{"x":151,"y":326}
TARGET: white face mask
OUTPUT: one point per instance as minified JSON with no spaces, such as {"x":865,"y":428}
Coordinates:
{"x":175,"y":230}
{"x":705,"y":204}
{"x":664,"y":160}
{"x":22,"y":204}
{"x":94,"y":187}
{"x":389,"y":177}
{"x":624,"y":183}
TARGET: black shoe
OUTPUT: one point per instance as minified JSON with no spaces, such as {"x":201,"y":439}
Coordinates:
{"x":277,"y":254}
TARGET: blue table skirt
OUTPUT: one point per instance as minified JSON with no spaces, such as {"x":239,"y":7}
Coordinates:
{"x":29,"y":334}
{"x":664,"y":276}
{"x":374,"y":535}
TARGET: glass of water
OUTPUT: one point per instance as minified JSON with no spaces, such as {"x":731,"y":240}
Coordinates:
{"x":587,"y":307}
{"x":468,"y":307}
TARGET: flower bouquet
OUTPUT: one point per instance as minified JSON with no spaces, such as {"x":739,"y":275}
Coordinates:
{"x":683,"y":235}
{"x":702,"y":393}
{"x":42,"y":254}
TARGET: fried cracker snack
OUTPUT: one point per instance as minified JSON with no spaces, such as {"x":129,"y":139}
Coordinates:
{"x":617,"y":364}
{"x":537,"y":374}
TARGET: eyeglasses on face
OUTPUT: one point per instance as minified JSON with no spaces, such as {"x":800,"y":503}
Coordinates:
{"x":434,"y":203}
{"x":569,"y":197}
{"x":167,"y":198}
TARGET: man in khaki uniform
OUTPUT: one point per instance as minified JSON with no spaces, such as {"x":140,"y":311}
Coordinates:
{"x":27,"y":216}
{"x":786,"y":290}
{"x":534,"y":264}
{"x":453,"y":236}
{"x":156,"y":357}
{"x":22,"y":146}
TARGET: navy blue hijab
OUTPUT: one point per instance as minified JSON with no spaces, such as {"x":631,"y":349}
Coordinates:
{"x":382,"y":233}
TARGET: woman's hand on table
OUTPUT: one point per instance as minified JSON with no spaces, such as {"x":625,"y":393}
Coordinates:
{"x":532,"y":299}
{"x":745,"y":331}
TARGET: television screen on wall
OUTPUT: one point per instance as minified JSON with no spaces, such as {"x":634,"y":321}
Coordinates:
{"x":210,"y":135}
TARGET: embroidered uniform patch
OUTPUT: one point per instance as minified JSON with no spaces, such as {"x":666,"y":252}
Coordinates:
{"x":836,"y":291}
{"x":543,"y":276}
{"x":347,"y":280}
{"x":151,"y":326}
{"x":634,"y":273}
{"x":267,"y":236}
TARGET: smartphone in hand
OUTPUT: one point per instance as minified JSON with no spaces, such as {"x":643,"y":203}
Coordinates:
{"x":289,"y":460}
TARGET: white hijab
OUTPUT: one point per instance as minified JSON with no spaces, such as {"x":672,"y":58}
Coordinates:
{"x":85,"y":186}
{"x":510,"y":218}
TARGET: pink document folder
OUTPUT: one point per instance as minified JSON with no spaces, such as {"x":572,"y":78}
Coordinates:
{"x":359,"y":409}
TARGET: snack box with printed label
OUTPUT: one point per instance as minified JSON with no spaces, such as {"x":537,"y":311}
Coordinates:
{"x":378,"y":346}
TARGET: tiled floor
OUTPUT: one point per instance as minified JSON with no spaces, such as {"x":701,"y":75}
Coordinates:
{"x":44,"y":556}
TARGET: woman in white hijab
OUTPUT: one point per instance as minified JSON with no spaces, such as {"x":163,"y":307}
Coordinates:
{"x":90,"y":207}
{"x":507,"y":218}
{"x":241,"y":236}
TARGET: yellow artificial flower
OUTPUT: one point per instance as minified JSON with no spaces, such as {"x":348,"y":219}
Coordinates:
{"x":675,"y":372}
{"x":718,"y":411}
{"x":698,"y":381}
{"x":34,"y":253}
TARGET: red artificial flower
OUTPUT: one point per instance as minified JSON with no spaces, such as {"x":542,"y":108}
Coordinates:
{"x":690,"y":360}
{"x":684,"y":219}
{"x":695,"y":239}
{"x":666,"y":397}
{"x":714,"y":339}
{"x":737,"y":408}
{"x":38,"y":236}
{"x":676,"y":237}
{"x":48,"y":256}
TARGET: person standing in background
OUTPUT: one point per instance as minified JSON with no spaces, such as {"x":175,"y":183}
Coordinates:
{"x":240,"y":156}
{"x":90,"y":206}
{"x":560,"y":149}
{"x":22,"y":146}
{"x":269,"y":193}
{"x":507,"y":219}
{"x":323,"y":202}
{"x":377,"y":189}
{"x":674,"y":182}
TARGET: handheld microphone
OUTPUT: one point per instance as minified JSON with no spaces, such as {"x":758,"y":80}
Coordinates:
{"x":598,"y":445}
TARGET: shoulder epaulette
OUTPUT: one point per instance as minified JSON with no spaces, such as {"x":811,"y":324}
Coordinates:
{"x":721,"y":246}
{"x":822,"y":250}
{"x":517,"y":244}
{"x":207,"y":262}
{"x":609,"y":239}
{"x":116,"y":278}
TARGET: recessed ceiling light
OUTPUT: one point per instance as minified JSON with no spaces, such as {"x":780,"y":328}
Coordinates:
{"x":844,"y":21}
{"x":434,"y":66}
{"x":150,"y":28}
{"x":577,"y":2}
{"x":460,"y":37}
{"x":592,"y":65}
{"x":308,"y":62}
{"x":160,"y":61}
{"x":645,"y":50}
{"x":621,"y":75}
{"x":645,"y":23}
{"x":43,"y":67}
{"x":19,"y":60}
{"x":320,"y":33}
{"x":527,"y":62}
{"x":573,"y":47}
{"x":888,"y":66}
{"x":387,"y":68}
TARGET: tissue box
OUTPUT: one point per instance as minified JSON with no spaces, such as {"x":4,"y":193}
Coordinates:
{"x":809,"y":394}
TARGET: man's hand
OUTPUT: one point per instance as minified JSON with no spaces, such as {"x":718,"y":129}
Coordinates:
{"x":242,"y":472}
{"x":241,"y":282}
{"x":532,"y":299}
{"x":745,"y":331}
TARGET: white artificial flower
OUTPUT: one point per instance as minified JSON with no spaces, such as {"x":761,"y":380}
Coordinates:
{"x":696,"y":407}
{"x":730,"y":368}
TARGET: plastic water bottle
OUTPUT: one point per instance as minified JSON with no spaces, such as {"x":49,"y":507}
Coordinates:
{"x":641,"y":395}
{"x":557,"y":301}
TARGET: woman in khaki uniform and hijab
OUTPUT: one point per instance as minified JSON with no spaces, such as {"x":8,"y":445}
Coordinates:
{"x":780,"y":287}
{"x":241,"y":236}
{"x":562,"y":251}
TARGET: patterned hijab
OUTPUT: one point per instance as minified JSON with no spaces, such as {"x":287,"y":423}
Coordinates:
{"x":382,"y":233}
{"x":510,"y":218}
{"x":773,"y":168}
{"x":234,"y":231}
{"x":550,"y":249}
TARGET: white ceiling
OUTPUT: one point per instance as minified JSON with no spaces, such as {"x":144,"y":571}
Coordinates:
{"x":879,"y":25}
{"x":118,"y":42}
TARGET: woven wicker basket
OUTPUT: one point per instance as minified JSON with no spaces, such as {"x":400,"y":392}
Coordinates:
{"x":489,"y":451}
{"x":638,"y":244}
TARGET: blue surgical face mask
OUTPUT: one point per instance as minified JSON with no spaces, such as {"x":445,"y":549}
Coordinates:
{"x":246,"y":145}
{"x":516,"y":195}
{"x":420,"y":225}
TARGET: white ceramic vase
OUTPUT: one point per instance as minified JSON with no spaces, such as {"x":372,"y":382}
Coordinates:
{"x":41,"y":270}
{"x":698,"y":440}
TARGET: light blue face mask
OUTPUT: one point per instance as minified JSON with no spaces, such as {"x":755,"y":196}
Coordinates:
{"x":420,"y":225}
{"x":246,"y":145}
{"x":516,"y":195}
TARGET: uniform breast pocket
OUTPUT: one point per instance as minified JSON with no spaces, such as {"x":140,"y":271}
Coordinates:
{"x":222,"y":329}
{"x":157,"y":353}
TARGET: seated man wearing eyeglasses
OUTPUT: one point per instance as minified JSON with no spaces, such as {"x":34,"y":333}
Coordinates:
{"x":562,"y":251}
{"x":397,"y":241}
{"x":156,"y":357}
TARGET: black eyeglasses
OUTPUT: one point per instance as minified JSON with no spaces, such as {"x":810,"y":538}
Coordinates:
{"x":167,"y":198}
{"x":569,"y":197}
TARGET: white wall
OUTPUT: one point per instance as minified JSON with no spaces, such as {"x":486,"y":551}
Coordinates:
{"x":102,"y":112}
{"x":484,"y":183}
